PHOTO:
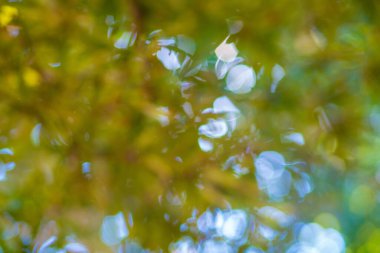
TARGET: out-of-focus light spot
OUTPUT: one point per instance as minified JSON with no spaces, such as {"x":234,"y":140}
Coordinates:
{"x":109,"y":32}
{"x":205,"y":222}
{"x":4,"y":168}
{"x":275,"y":215}
{"x":277,"y":188}
{"x":31,"y":77}
{"x":86,"y":167}
{"x":154,"y":33}
{"x":35,"y":134}
{"x":6,"y":151}
{"x":212,"y":246}
{"x":296,"y":138}
{"x":304,"y":185}
{"x":362,"y":200}
{"x":123,"y":41}
{"x":239,"y":170}
{"x":75,"y":247}
{"x":235,"y":224}
{"x":130,"y":219}
{"x":224,"y":105}
{"x":162,"y":115}
{"x":214,"y":128}
{"x":234,"y":26}
{"x":185,"y":245}
{"x":222,"y":67}
{"x":131,"y":247}
{"x":313,"y":238}
{"x":301,"y":247}
{"x":269,"y":164}
{"x":278,"y":73}
{"x":55,"y":64}
{"x":253,"y":250}
{"x":7,"y":13}
{"x":271,"y":176}
{"x":241,"y":79}
{"x":114,"y":229}
{"x":267,"y":233}
{"x":226,"y":52}
{"x":372,"y":242}
{"x":164,"y":42}
{"x":188,"y":109}
{"x":327,"y":220}
{"x":168,"y":58}
{"x":205,"y":145}
{"x":45,"y":246}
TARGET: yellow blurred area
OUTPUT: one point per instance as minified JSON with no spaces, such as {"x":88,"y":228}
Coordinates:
{"x":7,"y":13}
{"x":31,"y":77}
{"x":362,"y":200}
{"x":372,"y":243}
{"x":328,"y":220}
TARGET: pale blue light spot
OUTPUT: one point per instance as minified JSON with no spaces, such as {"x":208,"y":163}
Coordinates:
{"x":235,"y":224}
{"x":212,"y":246}
{"x":168,"y":58}
{"x":253,"y":250}
{"x":45,"y":246}
{"x":166,"y":42}
{"x":296,"y":138}
{"x":267,"y":233}
{"x":205,"y":222}
{"x":278,"y":73}
{"x":241,"y":79}
{"x":224,"y":105}
{"x":304,"y":185}
{"x":205,"y":145}
{"x":123,"y":41}
{"x":6,"y":151}
{"x":184,"y":245}
{"x":221,"y":69}
{"x":76,"y":247}
{"x":35,"y":134}
{"x":275,"y":215}
{"x":4,"y":168}
{"x":269,"y":165}
{"x":86,"y":167}
{"x":313,"y":238}
{"x":114,"y":229}
{"x":55,"y":64}
{"x":226,"y":52}
{"x":214,"y":128}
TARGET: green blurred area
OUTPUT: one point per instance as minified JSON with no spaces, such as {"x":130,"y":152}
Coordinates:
{"x":101,"y":105}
